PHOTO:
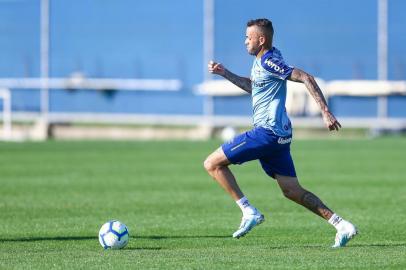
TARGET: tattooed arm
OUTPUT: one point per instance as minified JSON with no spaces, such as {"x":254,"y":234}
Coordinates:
{"x":242,"y":82}
{"x":311,"y":85}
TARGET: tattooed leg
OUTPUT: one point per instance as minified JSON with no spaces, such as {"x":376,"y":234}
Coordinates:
{"x":314,"y":204}
{"x":293,"y":190}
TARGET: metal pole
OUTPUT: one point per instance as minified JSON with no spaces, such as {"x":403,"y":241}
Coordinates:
{"x":382,"y":59}
{"x":208,"y":39}
{"x":382,"y":40}
{"x":44,"y":65}
{"x":208,"y":54}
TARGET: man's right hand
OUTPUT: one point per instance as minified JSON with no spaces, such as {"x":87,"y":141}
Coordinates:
{"x":216,"y":68}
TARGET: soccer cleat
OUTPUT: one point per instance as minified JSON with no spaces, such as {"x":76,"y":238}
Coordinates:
{"x":344,"y":235}
{"x":247,"y":223}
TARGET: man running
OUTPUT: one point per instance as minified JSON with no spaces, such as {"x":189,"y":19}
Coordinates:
{"x":269,"y":140}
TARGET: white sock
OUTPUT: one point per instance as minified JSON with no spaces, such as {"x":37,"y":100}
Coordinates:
{"x":246,"y":207}
{"x":336,"y":221}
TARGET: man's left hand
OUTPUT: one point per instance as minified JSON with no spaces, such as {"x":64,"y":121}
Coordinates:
{"x":330,"y":121}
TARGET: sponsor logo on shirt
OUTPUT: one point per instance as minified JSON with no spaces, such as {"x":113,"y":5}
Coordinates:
{"x":284,"y":140}
{"x":274,"y":66}
{"x":258,"y":84}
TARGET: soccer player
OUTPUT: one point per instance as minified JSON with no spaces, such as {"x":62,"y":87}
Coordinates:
{"x":269,"y":140}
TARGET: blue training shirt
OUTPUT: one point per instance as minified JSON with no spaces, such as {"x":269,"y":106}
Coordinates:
{"x":268,"y":79}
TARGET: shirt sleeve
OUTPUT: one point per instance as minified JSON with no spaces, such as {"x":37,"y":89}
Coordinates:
{"x":276,"y":66}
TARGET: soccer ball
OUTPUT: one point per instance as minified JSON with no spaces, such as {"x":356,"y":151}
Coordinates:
{"x":114,"y":235}
{"x":228,"y":133}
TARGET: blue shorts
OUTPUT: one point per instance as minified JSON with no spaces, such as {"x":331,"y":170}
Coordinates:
{"x":272,"y":151}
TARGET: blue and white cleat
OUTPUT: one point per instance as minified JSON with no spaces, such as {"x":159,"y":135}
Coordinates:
{"x":344,"y":235}
{"x":247,"y":223}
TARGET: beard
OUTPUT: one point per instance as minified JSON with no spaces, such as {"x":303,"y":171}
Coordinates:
{"x":253,"y":51}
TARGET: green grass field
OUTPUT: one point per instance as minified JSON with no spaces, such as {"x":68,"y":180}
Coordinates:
{"x":54,"y":197}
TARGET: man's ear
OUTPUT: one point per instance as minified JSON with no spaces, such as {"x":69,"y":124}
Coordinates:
{"x":262,"y":40}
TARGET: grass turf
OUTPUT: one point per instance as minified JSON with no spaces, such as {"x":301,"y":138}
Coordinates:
{"x":54,"y":196}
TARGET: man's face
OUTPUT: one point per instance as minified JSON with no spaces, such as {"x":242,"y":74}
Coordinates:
{"x":254,"y":40}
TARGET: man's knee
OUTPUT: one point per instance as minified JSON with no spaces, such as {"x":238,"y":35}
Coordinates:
{"x":215,"y":161}
{"x":208,"y":165}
